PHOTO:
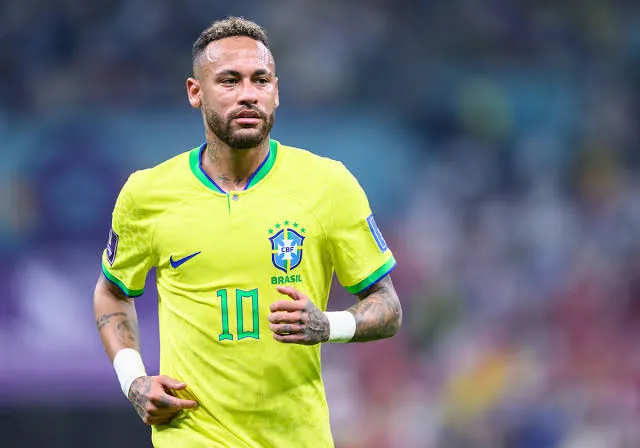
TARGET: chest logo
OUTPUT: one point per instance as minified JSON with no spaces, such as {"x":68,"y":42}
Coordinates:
{"x":178,"y":262}
{"x":286,"y":245}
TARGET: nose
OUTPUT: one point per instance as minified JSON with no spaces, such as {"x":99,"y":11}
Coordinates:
{"x":247,"y":93}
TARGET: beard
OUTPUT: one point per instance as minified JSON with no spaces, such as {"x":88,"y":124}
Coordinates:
{"x":222,"y":128}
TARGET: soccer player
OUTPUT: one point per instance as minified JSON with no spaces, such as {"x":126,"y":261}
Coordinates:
{"x":245,"y":234}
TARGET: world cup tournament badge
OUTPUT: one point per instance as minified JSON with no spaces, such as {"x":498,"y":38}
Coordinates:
{"x":286,"y":245}
{"x":112,"y":246}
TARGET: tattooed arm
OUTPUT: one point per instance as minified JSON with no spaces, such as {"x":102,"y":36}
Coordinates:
{"x":116,"y":318}
{"x":378,"y":315}
{"x":117,"y":323}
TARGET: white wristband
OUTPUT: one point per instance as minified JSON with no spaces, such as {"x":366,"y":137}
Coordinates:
{"x":128,"y":366}
{"x":342,"y":326}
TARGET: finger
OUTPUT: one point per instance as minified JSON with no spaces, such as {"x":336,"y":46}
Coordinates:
{"x":163,"y":412}
{"x":286,"y":328}
{"x":291,"y":292}
{"x":287,"y":305}
{"x":164,"y":420}
{"x":168,"y":401}
{"x":157,"y":419}
{"x":296,"y":338}
{"x":282,"y":317}
{"x":163,"y":402}
{"x":171,"y":383}
{"x":180,"y":403}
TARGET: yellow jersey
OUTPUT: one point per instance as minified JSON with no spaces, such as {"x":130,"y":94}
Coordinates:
{"x":218,"y":258}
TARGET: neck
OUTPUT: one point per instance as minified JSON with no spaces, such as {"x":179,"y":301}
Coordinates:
{"x":231,"y":168}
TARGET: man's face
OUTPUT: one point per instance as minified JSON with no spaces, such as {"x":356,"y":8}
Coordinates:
{"x":236,"y":87}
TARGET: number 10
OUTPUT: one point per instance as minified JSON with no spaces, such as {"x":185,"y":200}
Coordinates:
{"x":240,"y":330}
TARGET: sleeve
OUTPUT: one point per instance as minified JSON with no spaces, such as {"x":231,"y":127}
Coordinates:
{"x":359,"y":253}
{"x":127,"y":258}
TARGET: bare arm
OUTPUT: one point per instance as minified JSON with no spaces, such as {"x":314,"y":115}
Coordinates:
{"x":378,"y":314}
{"x":116,"y":318}
{"x":117,"y":323}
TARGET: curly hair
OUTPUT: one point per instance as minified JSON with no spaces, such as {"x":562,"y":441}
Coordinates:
{"x":229,"y":27}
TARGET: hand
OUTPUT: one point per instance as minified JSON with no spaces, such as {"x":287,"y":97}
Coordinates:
{"x":297,"y":321}
{"x":154,"y":404}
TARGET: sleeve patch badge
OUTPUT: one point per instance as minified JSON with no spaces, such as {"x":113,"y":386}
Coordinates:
{"x":377,"y":235}
{"x":112,"y":246}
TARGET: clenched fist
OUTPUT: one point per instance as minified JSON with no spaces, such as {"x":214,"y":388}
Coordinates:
{"x":297,"y":321}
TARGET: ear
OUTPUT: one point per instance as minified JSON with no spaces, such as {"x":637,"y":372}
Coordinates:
{"x":277,"y":98}
{"x":193,"y":90}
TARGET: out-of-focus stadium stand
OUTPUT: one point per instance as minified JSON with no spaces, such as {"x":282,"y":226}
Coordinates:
{"x":498,"y":142}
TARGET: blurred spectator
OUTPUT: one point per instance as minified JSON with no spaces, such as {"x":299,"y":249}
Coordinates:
{"x":497,"y":140}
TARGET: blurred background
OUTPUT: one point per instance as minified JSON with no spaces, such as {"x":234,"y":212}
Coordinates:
{"x":497,"y":141}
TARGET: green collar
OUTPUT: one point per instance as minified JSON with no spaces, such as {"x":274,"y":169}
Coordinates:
{"x":195,"y":163}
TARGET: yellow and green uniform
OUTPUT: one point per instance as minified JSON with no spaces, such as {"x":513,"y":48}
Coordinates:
{"x":219,"y":257}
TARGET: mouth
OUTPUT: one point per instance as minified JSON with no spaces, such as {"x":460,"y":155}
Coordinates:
{"x":248,"y":113}
{"x":248,"y":117}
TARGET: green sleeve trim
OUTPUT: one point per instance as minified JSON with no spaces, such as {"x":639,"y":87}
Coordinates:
{"x":373,"y":277}
{"x":128,"y":292}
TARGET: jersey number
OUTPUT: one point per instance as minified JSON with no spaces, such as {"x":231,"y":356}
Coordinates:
{"x":242,"y":297}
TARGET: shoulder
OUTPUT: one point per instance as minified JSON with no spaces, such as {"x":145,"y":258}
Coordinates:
{"x":171,"y":172}
{"x":148,"y":192}
{"x":308,"y":165}
{"x":168,"y":169}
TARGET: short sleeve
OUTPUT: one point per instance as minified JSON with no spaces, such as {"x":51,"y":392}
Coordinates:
{"x":357,"y":248}
{"x":127,"y":258}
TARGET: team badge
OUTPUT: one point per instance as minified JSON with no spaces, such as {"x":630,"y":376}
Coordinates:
{"x":286,"y":245}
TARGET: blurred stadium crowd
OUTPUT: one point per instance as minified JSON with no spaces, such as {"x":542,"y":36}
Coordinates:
{"x":497,"y":140}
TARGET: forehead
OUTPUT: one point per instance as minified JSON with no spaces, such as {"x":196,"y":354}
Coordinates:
{"x":236,"y":53}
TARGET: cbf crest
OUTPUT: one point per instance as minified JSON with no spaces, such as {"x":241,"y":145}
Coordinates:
{"x":286,"y":245}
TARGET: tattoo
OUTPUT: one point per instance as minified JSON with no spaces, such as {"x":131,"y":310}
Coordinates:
{"x":213,"y":153}
{"x":163,"y":402}
{"x":317,"y":328}
{"x":127,"y":325}
{"x":224,"y":178}
{"x":105,"y":318}
{"x":116,"y":291}
{"x":378,"y":314}
{"x":138,"y":394}
{"x":227,"y":182}
{"x":236,"y":182}
{"x":127,"y":331}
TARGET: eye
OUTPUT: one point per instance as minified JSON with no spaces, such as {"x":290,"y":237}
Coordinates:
{"x":262,"y":81}
{"x":228,"y":81}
